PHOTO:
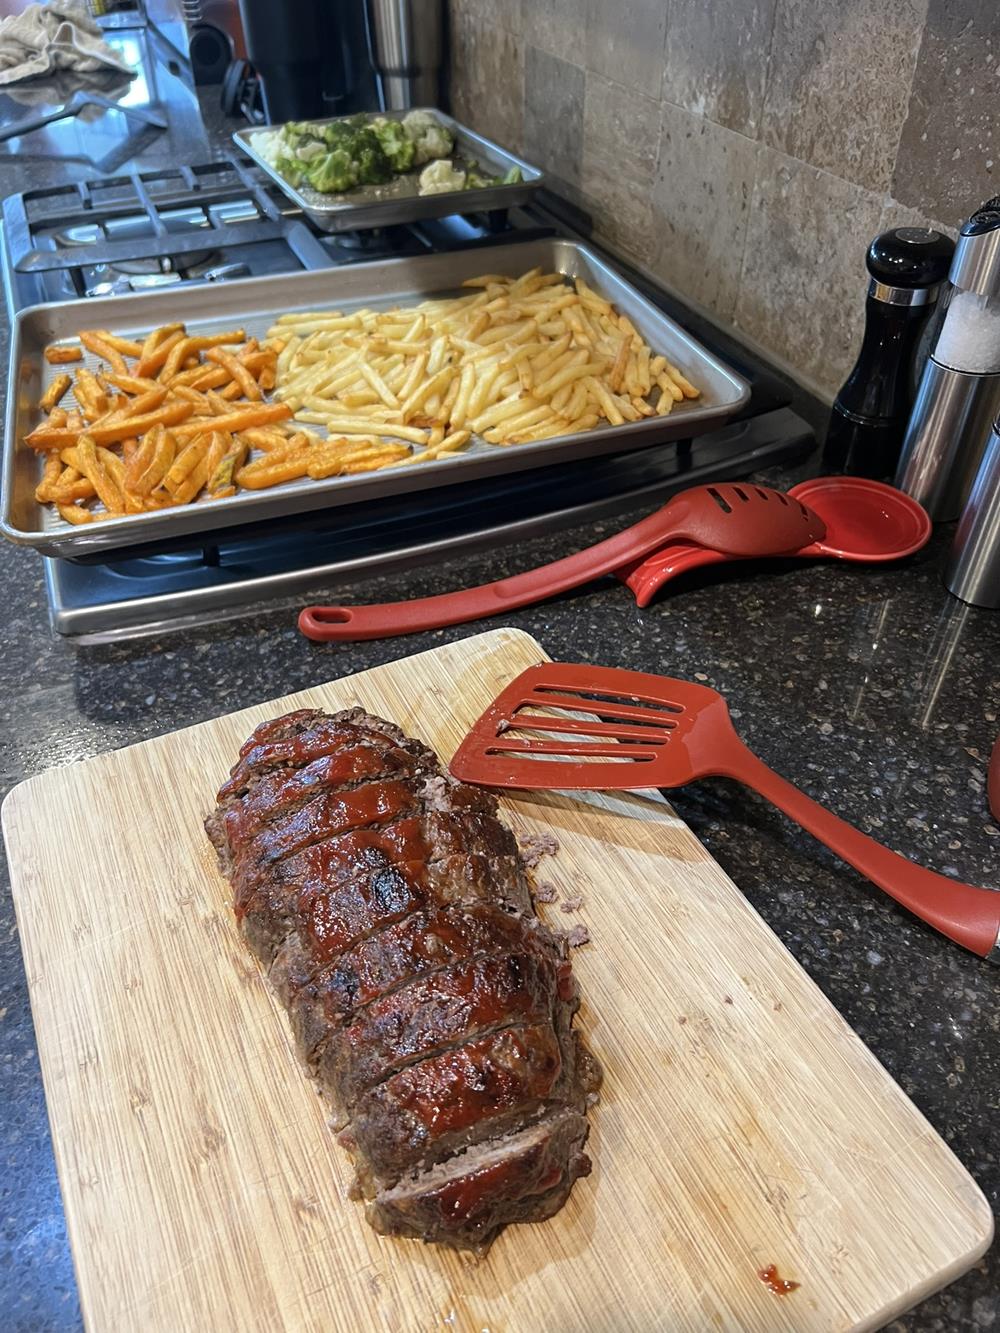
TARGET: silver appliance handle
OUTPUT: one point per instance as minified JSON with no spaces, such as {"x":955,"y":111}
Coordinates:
{"x":405,"y":40}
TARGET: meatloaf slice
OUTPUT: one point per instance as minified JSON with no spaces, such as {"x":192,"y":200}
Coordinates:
{"x":433,"y":1013}
{"x":297,"y":739}
{"x":326,"y":816}
{"x":481,"y":1090}
{"x":339,"y":889}
{"x":281,"y":791}
{"x":417,"y":946}
{"x":392,"y":910}
{"x":466,"y":1200}
{"x":334,"y":907}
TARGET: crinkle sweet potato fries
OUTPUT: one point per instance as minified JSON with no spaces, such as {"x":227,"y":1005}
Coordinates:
{"x":178,"y":418}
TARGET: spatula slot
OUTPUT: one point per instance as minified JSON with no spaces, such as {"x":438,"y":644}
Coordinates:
{"x":720,"y":500}
{"x":620,"y":719}
{"x":635,"y":707}
{"x":570,"y":751}
{"x":646,"y":732}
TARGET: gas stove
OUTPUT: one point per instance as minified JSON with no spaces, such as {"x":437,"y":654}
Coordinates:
{"x":224,"y":219}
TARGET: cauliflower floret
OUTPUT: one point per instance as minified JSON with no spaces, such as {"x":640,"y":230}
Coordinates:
{"x":429,"y":137}
{"x":267,"y":144}
{"x":441,"y":178}
{"x":415,"y":122}
{"x":307,"y":151}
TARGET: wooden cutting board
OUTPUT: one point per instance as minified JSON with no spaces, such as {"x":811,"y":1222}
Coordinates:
{"x":742,"y":1124}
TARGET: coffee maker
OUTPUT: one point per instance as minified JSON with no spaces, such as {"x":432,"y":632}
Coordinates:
{"x":322,"y":58}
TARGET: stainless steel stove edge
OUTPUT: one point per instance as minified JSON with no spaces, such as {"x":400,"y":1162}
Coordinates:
{"x":737,"y":451}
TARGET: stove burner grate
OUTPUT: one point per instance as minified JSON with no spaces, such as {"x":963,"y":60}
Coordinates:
{"x":150,"y":201}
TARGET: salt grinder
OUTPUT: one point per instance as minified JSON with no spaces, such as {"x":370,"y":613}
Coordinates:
{"x":959,"y":392}
{"x":868,"y":421}
{"x":973,"y":570}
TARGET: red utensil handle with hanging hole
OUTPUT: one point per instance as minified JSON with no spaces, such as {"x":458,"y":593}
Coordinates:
{"x":350,"y":623}
{"x":683,"y":518}
{"x":970,"y":916}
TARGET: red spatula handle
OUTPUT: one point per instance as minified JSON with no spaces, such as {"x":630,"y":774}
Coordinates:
{"x":967,"y":915}
{"x":349,"y":623}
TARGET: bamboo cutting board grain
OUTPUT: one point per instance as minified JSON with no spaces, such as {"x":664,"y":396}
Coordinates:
{"x":742,"y":1122}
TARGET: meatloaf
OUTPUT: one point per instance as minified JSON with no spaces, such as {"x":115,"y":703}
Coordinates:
{"x":390,"y":908}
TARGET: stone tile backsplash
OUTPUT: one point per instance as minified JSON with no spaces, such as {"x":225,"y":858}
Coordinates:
{"x":701,"y":201}
{"x":838,"y":83}
{"x":621,"y":131}
{"x":746,"y":151}
{"x":553,"y":118}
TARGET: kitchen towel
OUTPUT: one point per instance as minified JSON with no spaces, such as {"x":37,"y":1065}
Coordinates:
{"x":47,"y":38}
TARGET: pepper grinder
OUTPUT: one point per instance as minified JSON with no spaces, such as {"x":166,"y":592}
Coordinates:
{"x":959,"y":391}
{"x":868,"y":421}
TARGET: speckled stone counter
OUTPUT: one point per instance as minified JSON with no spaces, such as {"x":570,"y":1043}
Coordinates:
{"x":871,"y":688}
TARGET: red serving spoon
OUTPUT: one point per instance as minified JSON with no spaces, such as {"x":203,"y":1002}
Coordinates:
{"x":866,"y":521}
{"x":738,"y":518}
{"x":541,"y":733}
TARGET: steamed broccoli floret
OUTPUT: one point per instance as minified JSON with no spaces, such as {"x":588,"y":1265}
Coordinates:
{"x":289,"y":167}
{"x":374,"y":167}
{"x":397,"y":147}
{"x":333,"y":173}
{"x":476,"y":180}
{"x":335,"y":135}
{"x":429,"y":137}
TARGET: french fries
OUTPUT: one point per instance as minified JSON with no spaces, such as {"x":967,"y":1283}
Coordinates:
{"x":178,"y":417}
{"x":56,"y":390}
{"x":175,"y":418}
{"x":61,"y":356}
{"x":516,"y":360}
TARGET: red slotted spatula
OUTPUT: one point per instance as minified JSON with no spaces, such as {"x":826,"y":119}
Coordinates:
{"x":740,"y":519}
{"x":560,"y":726}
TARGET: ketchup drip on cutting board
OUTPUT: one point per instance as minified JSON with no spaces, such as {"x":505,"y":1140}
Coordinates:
{"x":779,"y":1285}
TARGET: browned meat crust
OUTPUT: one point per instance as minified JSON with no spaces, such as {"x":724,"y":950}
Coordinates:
{"x":391,"y":908}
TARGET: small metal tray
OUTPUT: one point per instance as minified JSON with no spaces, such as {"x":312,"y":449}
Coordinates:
{"x":254,"y":303}
{"x":398,"y":201}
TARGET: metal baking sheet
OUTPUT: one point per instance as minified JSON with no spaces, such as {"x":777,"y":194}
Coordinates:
{"x":398,"y":201}
{"x":253,"y":303}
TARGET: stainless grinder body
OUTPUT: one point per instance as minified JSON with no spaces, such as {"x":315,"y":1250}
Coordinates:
{"x":959,"y":394}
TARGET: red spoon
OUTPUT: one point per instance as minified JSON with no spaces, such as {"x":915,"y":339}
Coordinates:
{"x":738,"y":518}
{"x":541,"y":733}
{"x":866,"y":521}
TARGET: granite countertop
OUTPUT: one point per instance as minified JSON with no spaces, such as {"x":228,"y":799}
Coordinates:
{"x":869,"y":687}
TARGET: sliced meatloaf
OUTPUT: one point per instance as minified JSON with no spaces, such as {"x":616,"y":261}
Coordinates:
{"x":390,"y":907}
